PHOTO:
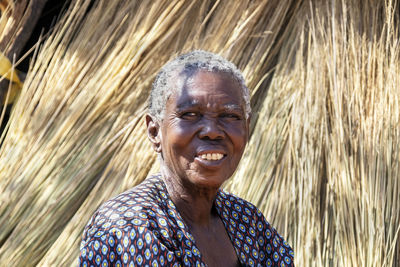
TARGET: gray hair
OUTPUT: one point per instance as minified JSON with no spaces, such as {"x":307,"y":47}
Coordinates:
{"x":187,"y":63}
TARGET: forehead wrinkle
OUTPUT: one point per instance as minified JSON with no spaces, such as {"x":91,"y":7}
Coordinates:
{"x":188,"y":104}
{"x":182,"y":92}
{"x":232,"y":107}
{"x":194,"y":103}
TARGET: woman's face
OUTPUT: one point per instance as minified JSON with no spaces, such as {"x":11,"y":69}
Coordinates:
{"x":204,"y":130}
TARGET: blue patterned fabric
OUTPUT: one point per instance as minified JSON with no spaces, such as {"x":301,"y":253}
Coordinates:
{"x":142,"y":227}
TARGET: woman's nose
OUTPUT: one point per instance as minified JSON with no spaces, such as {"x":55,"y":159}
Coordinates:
{"x":211,"y":129}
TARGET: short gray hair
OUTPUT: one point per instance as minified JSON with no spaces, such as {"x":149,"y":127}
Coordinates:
{"x":187,"y":63}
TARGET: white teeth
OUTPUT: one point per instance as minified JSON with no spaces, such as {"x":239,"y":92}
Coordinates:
{"x":212,"y":156}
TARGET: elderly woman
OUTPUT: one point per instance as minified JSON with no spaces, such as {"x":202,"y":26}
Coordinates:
{"x":198,"y":123}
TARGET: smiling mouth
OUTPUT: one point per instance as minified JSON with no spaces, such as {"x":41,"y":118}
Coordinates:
{"x":211,"y":156}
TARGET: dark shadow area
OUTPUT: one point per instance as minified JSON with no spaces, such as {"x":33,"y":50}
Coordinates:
{"x":50,"y":14}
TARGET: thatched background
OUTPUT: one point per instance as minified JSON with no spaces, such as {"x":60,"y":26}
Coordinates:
{"x":323,"y":160}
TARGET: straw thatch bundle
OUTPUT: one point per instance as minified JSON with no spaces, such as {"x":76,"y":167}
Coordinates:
{"x":17,"y":20}
{"x":323,"y":159}
{"x":76,"y":136}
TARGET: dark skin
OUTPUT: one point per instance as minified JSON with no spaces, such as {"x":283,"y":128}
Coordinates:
{"x":201,"y":140}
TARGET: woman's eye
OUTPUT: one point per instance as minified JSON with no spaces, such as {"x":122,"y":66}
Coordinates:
{"x":189,"y":115}
{"x":231,"y":116}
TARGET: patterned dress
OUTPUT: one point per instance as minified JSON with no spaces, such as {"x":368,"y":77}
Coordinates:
{"x":142,"y":227}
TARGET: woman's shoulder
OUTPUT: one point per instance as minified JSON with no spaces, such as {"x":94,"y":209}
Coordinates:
{"x":233,"y":207}
{"x":246,"y":221}
{"x":234,"y":202}
{"x":145,"y":194}
{"x":128,"y":209}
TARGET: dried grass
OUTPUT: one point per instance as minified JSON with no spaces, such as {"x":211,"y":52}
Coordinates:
{"x":76,"y":136}
{"x":323,"y":158}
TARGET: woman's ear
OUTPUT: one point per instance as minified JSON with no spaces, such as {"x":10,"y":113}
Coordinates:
{"x":153,"y":133}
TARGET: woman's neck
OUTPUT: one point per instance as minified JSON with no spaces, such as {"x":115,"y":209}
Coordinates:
{"x":194,"y":203}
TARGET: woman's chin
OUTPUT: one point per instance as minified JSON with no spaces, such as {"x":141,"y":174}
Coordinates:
{"x":207,"y":180}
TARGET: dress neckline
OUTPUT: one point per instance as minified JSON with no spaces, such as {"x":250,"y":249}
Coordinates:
{"x":217,"y":204}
